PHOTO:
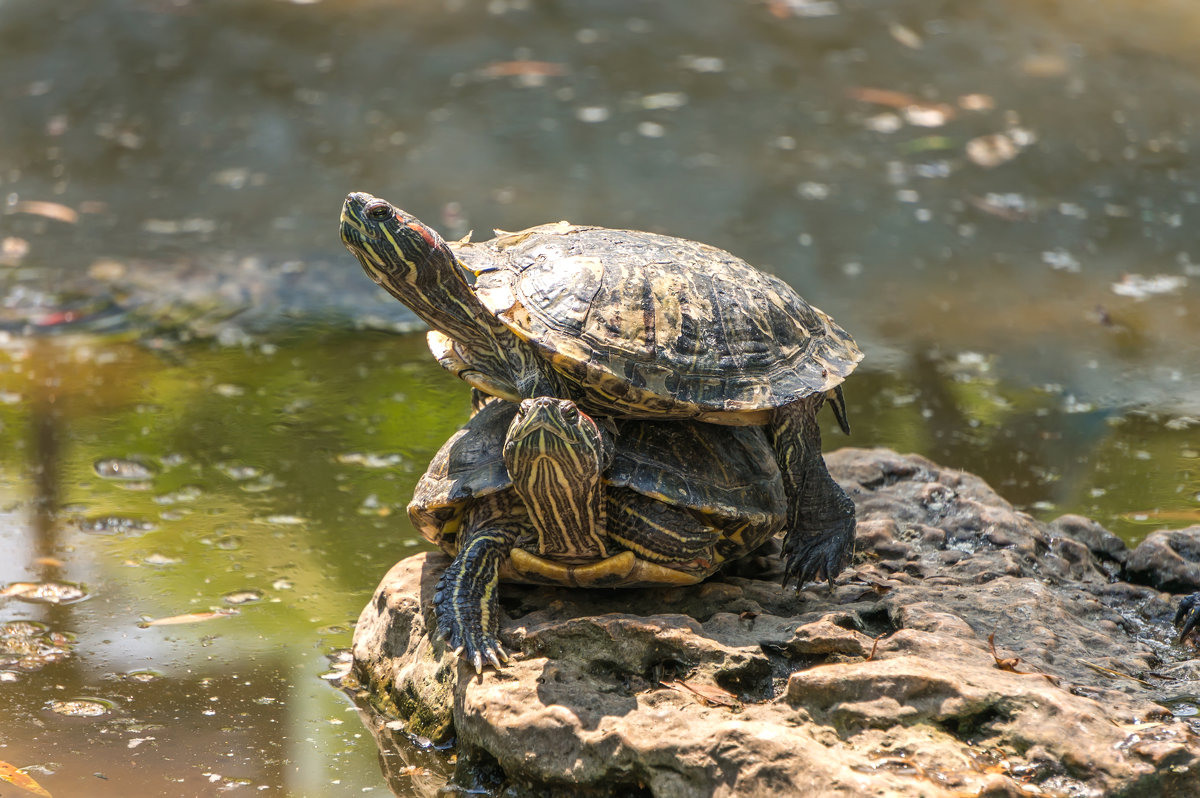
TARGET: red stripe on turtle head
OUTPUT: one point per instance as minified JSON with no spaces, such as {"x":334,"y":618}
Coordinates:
{"x":431,"y":238}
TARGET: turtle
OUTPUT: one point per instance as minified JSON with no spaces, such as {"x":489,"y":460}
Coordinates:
{"x":541,"y":493}
{"x":637,"y":325}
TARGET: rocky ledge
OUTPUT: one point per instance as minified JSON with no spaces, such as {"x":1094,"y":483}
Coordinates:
{"x":889,"y":684}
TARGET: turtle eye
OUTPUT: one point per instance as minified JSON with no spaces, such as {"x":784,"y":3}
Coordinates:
{"x":570,"y":412}
{"x":378,"y":210}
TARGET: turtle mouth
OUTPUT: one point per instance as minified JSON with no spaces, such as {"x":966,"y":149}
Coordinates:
{"x":543,"y":416}
{"x":353,"y":223}
{"x":541,"y":423}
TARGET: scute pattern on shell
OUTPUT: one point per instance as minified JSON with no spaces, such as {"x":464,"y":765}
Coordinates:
{"x":660,"y":324}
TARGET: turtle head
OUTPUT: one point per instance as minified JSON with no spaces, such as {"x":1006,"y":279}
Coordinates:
{"x":394,"y":247}
{"x":556,"y":457}
{"x":556,"y":429}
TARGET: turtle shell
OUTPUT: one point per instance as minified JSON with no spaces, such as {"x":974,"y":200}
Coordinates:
{"x":729,"y":472}
{"x":650,"y":325}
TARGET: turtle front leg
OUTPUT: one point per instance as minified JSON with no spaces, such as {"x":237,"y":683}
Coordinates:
{"x":467,"y":599}
{"x":819,"y":539}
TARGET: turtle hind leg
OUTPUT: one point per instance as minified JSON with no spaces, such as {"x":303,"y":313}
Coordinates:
{"x":467,"y":599}
{"x":1187,"y":617}
{"x":819,"y":539}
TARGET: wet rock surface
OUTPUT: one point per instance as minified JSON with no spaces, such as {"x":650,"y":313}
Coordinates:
{"x":888,"y":684}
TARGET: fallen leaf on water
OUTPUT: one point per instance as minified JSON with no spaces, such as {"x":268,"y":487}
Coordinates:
{"x":51,"y":210}
{"x":1162,"y":515}
{"x":707,"y":694}
{"x":191,"y":617}
{"x":18,"y":779}
{"x":906,"y":36}
{"x":916,"y":111}
{"x":976,"y":102}
{"x":508,"y":69}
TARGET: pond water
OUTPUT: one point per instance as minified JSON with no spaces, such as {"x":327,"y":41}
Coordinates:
{"x":211,"y":421}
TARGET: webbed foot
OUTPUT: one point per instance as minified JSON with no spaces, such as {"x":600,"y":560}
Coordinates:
{"x":1187,"y":617}
{"x":466,"y":601}
{"x":809,"y":555}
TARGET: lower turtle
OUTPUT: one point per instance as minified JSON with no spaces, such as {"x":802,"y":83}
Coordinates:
{"x":541,"y":493}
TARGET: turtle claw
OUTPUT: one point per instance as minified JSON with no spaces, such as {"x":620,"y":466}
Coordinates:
{"x":1187,"y":617}
{"x":811,"y":557}
{"x":459,"y":606}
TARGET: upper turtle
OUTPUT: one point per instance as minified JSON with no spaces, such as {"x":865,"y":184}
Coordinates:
{"x":631,"y":323}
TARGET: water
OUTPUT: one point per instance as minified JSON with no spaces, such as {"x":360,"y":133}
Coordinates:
{"x":206,"y":409}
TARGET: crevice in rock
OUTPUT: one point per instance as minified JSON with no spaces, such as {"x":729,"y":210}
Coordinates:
{"x":874,"y":620}
{"x":478,"y":773}
{"x":750,"y":680}
{"x":972,"y":727}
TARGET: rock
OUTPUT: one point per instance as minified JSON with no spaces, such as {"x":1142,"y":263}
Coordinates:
{"x":886,"y":685}
{"x":1168,"y":559}
{"x":1106,"y":546}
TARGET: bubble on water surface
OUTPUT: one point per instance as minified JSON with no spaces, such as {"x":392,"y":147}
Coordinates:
{"x":284,"y":520}
{"x":188,"y":493}
{"x":122,"y":469}
{"x":82,"y":707}
{"x":27,"y":646}
{"x":115,"y":525}
{"x":143,"y":676}
{"x":243,"y":597}
{"x":239,"y":472}
{"x":45,"y":592}
{"x":370,"y":460}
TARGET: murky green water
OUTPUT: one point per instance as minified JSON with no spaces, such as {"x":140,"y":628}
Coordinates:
{"x":999,"y":199}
